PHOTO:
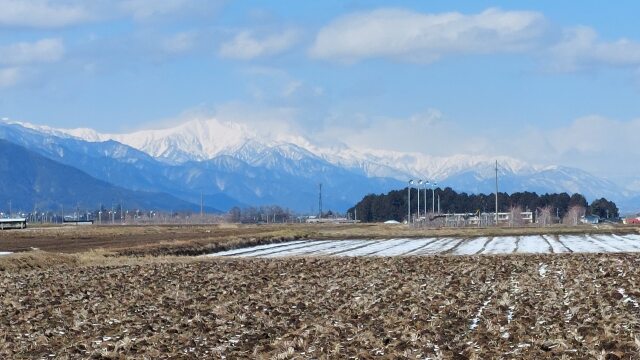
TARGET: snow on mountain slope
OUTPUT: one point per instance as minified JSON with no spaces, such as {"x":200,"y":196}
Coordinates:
{"x":415,"y":165}
{"x":195,"y":140}
{"x":205,"y":139}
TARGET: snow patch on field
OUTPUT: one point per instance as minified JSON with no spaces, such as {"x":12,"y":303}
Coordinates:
{"x":433,"y":246}
{"x":581,"y":244}
{"x":628,"y":299}
{"x":240,"y":251}
{"x":542,"y":270}
{"x":5,"y":253}
{"x":439,"y":246}
{"x":471,"y":246}
{"x":533,"y":244}
{"x":501,"y":245}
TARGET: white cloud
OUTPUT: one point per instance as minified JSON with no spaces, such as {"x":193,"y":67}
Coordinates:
{"x":413,"y":36}
{"x":55,"y":14}
{"x":9,"y":77}
{"x":180,"y":42}
{"x":582,"y":48}
{"x":246,"y":45}
{"x":602,"y":146}
{"x":41,"y":13}
{"x":597,"y":135}
{"x":428,"y":132}
{"x":268,"y":121}
{"x":145,"y":9}
{"x":41,"y":51}
{"x":291,"y":88}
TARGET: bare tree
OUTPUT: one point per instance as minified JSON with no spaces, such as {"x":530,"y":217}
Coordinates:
{"x":515,"y":216}
{"x":235,"y":215}
{"x":573,"y":215}
{"x":544,"y":216}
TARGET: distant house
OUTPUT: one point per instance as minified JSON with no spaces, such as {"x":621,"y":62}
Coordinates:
{"x":19,"y":223}
{"x":633,"y":220}
{"x":590,"y":219}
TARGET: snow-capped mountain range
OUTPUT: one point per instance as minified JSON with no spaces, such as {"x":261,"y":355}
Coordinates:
{"x":232,"y":160}
{"x":205,"y":139}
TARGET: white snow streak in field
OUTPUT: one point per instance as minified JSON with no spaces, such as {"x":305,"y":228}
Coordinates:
{"x":581,"y":244}
{"x":556,"y":246}
{"x":437,"y":247}
{"x":532,"y":244}
{"x":240,"y":251}
{"x":471,"y":246}
{"x":430,"y":246}
{"x":5,"y":253}
{"x":408,"y":247}
{"x":501,"y":245}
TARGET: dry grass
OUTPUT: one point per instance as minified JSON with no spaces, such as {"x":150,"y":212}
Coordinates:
{"x":537,"y":306}
{"x":35,"y":260}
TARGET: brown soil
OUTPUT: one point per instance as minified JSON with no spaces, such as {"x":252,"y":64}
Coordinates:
{"x":73,"y":239}
{"x":463,"y":307}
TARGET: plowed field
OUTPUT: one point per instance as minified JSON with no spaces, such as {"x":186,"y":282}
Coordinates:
{"x":516,"y":306}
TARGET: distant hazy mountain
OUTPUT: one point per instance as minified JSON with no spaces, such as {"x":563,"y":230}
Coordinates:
{"x":232,"y":165}
{"x":32,"y":181}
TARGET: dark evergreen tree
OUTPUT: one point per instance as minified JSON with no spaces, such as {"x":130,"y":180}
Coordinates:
{"x":393,"y":206}
{"x":578,"y":200}
{"x":604,"y":208}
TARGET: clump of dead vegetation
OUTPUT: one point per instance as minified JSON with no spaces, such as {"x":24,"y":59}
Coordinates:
{"x":36,"y":260}
{"x":539,"y":306}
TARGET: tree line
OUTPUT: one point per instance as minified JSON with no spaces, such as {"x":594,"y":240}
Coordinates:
{"x":252,"y":214}
{"x":393,"y":205}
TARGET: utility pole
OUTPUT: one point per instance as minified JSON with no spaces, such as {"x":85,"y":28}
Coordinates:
{"x":9,"y":208}
{"x":201,"y":207}
{"x":433,"y":198}
{"x":496,"y":192}
{"x":320,"y":202}
{"x":425,"y":215}
{"x":426,"y":183}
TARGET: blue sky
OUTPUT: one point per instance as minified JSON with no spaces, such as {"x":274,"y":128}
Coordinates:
{"x":545,"y":81}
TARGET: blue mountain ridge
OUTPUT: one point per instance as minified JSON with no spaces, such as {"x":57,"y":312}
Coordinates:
{"x":31,"y":181}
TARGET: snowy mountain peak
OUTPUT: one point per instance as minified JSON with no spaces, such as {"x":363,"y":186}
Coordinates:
{"x":194,"y":148}
{"x":204,"y":139}
{"x":199,"y":139}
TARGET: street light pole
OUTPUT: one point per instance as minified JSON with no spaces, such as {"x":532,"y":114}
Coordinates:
{"x":433,"y":196}
{"x":419,"y":184}
{"x":425,"y":199}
